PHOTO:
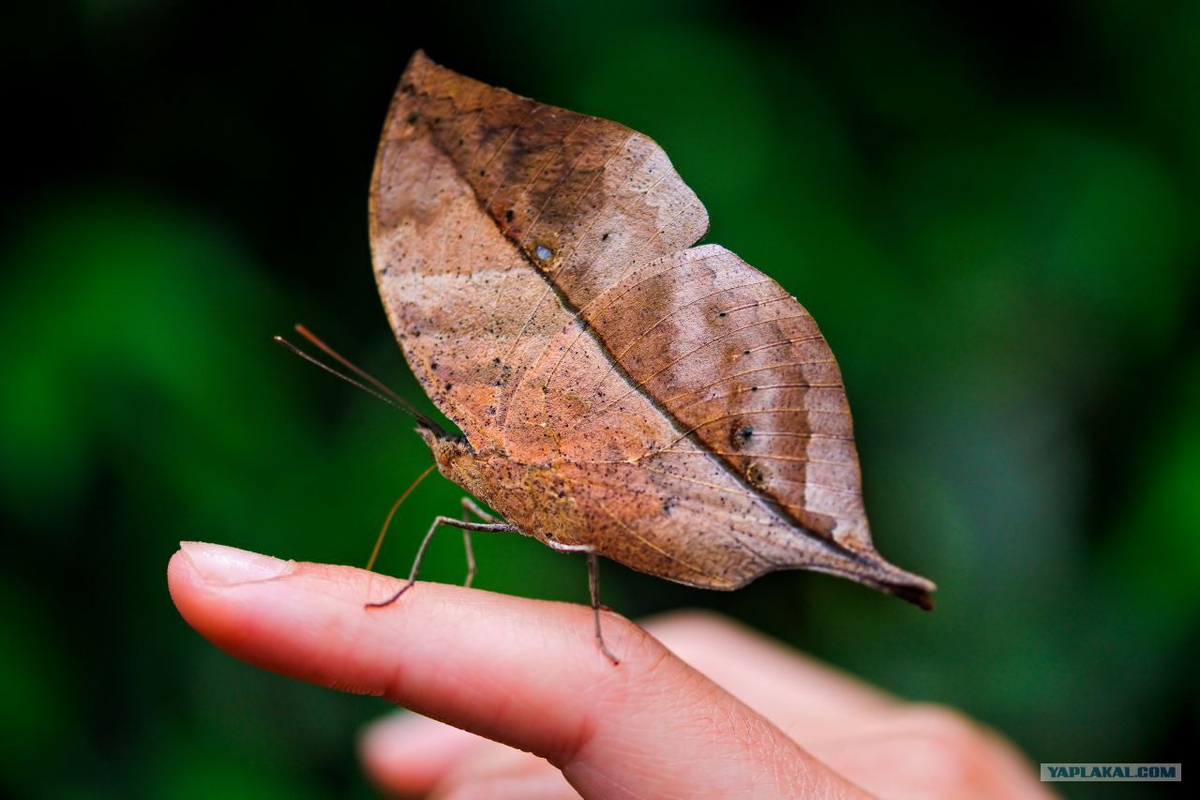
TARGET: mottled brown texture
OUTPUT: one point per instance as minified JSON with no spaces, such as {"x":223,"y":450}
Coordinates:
{"x":617,"y":387}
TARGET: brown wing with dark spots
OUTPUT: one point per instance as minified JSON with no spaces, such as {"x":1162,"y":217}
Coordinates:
{"x":536,"y":265}
{"x":579,"y":197}
{"x":743,"y":367}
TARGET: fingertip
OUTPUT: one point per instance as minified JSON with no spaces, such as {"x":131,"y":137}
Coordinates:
{"x":182,"y":583}
{"x":198,"y":573}
{"x":179,"y":570}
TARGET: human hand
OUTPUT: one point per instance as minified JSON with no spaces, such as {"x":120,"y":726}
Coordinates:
{"x":698,"y":707}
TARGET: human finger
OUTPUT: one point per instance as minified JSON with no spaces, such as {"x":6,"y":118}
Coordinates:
{"x":522,"y":672}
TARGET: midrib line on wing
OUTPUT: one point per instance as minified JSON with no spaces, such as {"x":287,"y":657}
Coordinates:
{"x":683,"y":431}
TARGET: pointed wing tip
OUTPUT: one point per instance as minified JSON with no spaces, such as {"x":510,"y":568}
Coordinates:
{"x":918,"y":596}
{"x":418,"y":62}
{"x":906,"y":586}
{"x":888,"y":578}
{"x":903,"y":584}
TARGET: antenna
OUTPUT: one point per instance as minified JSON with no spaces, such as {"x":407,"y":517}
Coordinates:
{"x":392,"y":513}
{"x":381,"y":391}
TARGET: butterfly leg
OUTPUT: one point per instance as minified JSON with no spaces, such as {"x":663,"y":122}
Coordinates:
{"x":493,"y":527}
{"x":593,"y":586}
{"x":469,"y":507}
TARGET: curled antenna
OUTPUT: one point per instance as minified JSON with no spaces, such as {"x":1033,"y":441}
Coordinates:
{"x":376,"y":388}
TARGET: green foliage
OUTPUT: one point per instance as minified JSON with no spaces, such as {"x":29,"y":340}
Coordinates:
{"x":991,"y":212}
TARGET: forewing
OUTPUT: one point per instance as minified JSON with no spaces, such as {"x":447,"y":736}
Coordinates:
{"x":473,"y":185}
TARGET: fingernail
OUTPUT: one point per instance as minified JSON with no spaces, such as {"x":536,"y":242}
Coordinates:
{"x":228,"y":566}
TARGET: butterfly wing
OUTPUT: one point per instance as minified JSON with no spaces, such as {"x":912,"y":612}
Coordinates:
{"x":538,"y":269}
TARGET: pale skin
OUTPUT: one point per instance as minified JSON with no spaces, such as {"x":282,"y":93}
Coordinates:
{"x":518,"y":702}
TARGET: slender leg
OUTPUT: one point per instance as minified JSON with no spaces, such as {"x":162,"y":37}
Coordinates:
{"x":470,"y":558}
{"x":470,"y":507}
{"x":469,"y":504}
{"x":593,"y":586}
{"x":494,"y":527}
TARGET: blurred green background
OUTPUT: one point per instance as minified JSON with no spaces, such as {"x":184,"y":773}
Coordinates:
{"x":990,"y":208}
